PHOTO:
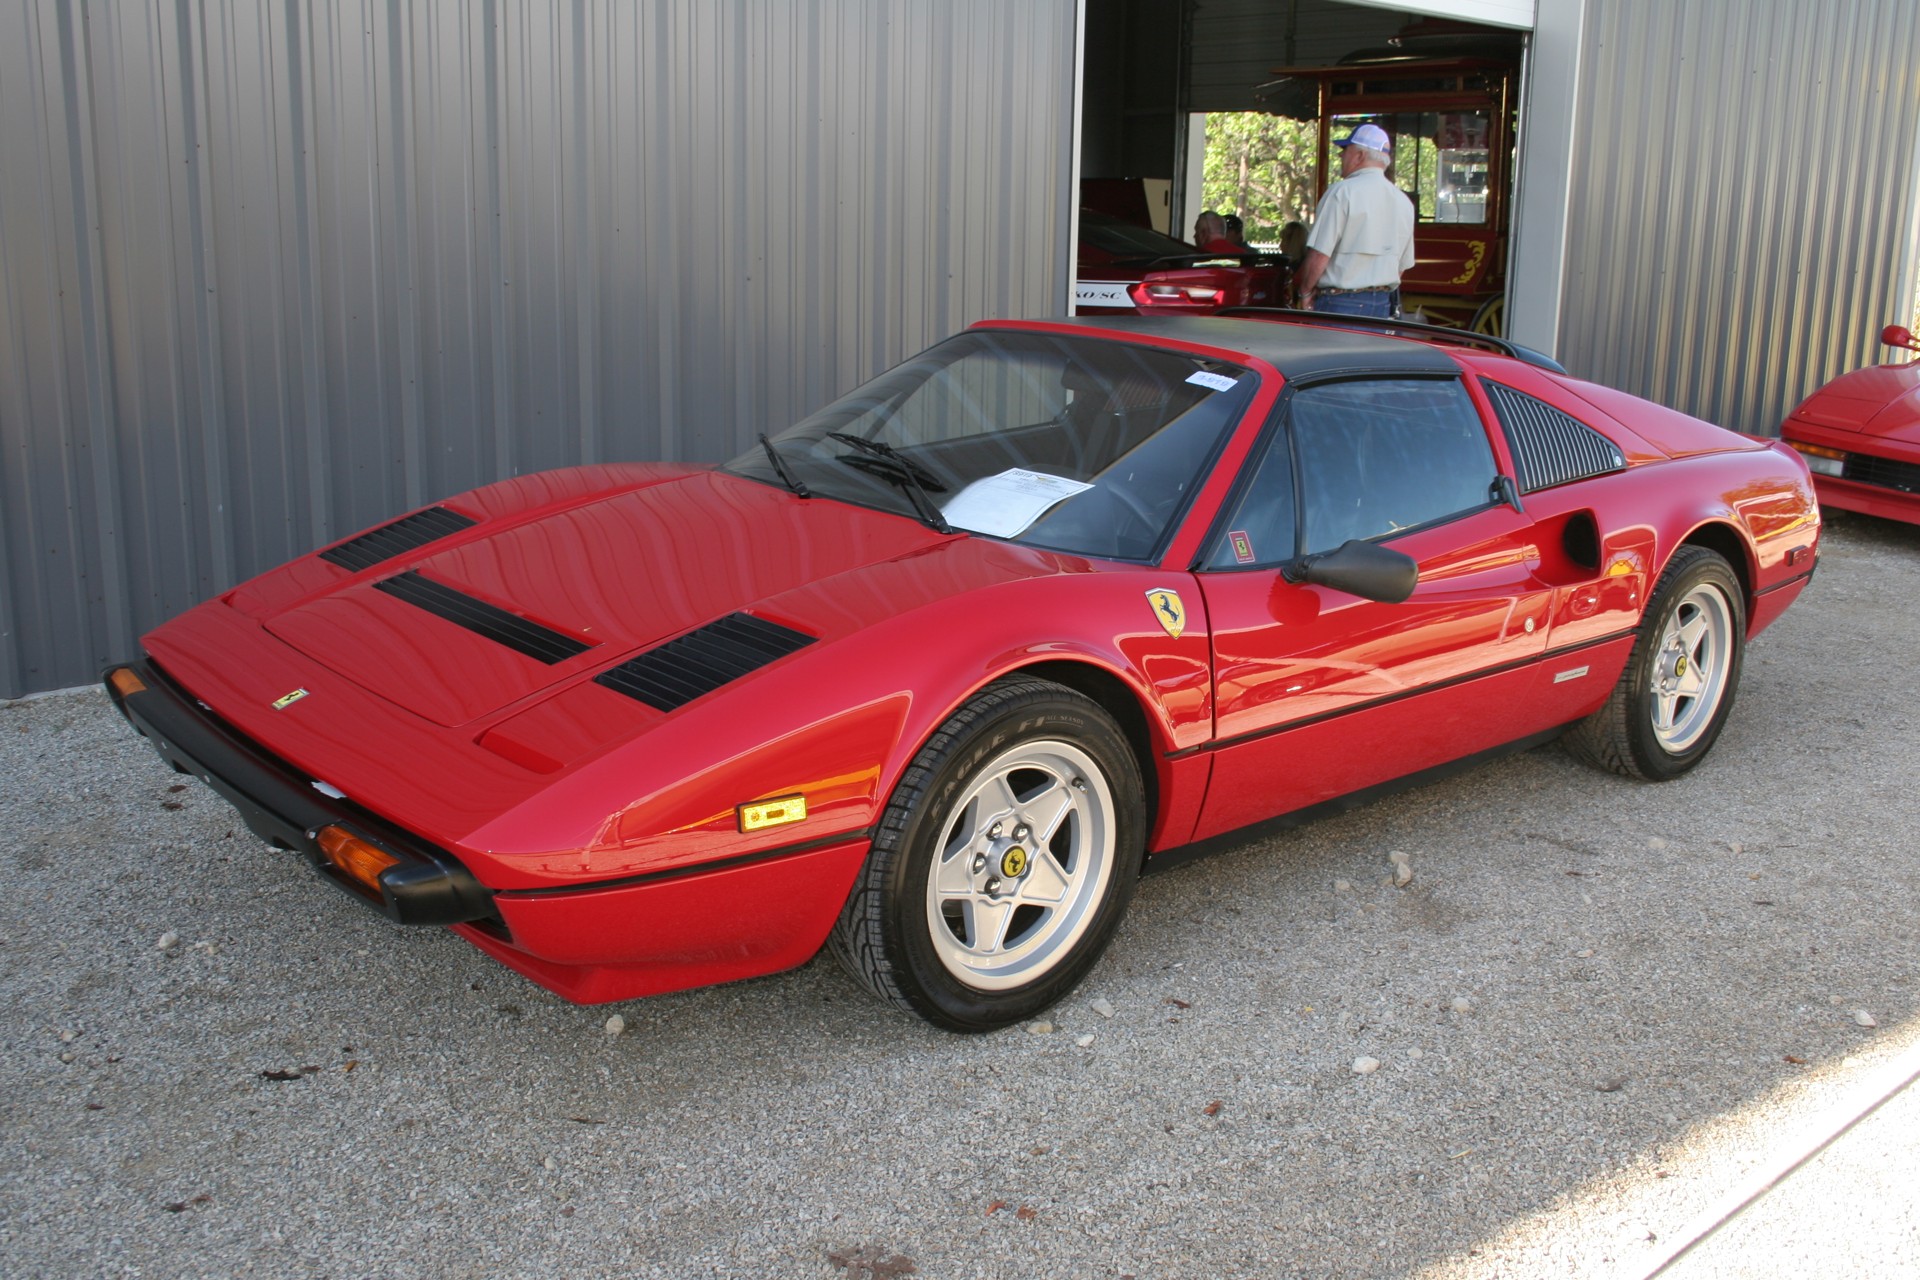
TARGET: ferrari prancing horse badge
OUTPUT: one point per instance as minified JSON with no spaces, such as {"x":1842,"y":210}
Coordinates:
{"x":1168,"y":611}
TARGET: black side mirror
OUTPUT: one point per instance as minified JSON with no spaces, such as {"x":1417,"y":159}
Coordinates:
{"x":1363,"y":569}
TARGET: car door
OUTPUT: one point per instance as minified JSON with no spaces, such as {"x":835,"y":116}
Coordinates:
{"x":1319,"y":693}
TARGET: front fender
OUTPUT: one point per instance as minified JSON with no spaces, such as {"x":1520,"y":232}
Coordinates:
{"x":839,"y":721}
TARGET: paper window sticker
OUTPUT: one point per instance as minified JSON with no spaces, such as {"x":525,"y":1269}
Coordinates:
{"x":1213,"y":381}
{"x":1242,"y":546}
{"x":1003,"y":506}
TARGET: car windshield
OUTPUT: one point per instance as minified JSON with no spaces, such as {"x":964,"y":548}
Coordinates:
{"x":1074,"y":444}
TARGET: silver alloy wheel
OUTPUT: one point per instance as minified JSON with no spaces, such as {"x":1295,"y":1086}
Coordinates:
{"x":1024,"y":860}
{"x":1689,"y":671}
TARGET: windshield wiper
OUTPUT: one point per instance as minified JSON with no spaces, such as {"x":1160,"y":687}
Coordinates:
{"x":915,"y":480}
{"x":880,"y":449}
{"x":786,"y":476}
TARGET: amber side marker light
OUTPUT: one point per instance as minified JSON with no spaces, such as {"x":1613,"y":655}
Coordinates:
{"x":772,"y":813}
{"x":125,"y":683}
{"x":354,"y":858}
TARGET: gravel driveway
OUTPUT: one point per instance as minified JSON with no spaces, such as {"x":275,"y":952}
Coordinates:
{"x":1595,"y":1008}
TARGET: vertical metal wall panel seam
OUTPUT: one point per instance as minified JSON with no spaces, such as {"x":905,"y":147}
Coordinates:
{"x":818,"y":184}
{"x":108,"y":613}
{"x":267,"y":324}
{"x":1794,"y":353}
{"x":499,"y":323}
{"x":1742,"y":220}
{"x":184,"y":549}
{"x":57,"y":616}
{"x":577,"y":190}
{"x":392,"y":76}
{"x":306,"y":322}
{"x":880,"y":219}
{"x":202,"y":282}
{"x":731,"y":230}
{"x":661,"y":61}
{"x":1698,"y":255}
{"x":21,"y":586}
{"x":357,"y":326}
{"x":261,"y":495}
{"x":122,"y":193}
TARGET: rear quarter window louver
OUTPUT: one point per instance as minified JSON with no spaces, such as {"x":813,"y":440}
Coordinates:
{"x":409,"y":533}
{"x":1551,"y":447}
{"x":701,"y":661}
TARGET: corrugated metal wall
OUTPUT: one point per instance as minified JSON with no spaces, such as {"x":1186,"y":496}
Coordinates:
{"x":1744,"y":198}
{"x":270,"y":272}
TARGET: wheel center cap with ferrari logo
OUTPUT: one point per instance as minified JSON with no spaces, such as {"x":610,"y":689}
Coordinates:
{"x":1680,"y":665}
{"x":1013,"y":863}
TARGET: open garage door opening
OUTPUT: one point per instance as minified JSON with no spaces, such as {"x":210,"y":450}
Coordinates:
{"x":1231,"y":106}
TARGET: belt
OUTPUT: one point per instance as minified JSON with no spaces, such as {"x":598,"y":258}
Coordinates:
{"x":1372,"y":288}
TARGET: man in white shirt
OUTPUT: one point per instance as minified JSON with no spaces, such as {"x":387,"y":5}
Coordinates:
{"x":1362,"y":234}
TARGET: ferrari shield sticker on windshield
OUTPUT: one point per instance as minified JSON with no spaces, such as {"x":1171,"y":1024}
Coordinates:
{"x":1003,"y":506}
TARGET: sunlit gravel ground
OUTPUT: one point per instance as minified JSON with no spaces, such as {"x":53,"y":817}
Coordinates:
{"x":1655,"y":984}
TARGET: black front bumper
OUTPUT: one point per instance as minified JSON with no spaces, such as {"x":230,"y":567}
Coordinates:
{"x":286,"y":809}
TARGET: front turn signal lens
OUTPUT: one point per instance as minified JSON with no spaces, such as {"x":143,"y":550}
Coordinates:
{"x":354,"y":858}
{"x":1821,"y":460}
{"x":772,"y":813}
{"x":125,"y":683}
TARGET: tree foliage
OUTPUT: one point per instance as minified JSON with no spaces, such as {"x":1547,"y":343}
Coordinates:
{"x":1261,"y":167}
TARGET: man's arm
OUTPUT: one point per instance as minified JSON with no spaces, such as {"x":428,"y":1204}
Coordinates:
{"x":1308,"y":276}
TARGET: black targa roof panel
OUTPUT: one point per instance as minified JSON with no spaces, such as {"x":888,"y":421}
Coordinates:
{"x":1296,"y":350}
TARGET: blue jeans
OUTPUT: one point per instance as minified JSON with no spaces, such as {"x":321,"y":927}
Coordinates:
{"x":1375,"y":302}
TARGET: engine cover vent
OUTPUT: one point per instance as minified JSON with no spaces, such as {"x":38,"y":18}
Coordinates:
{"x":1550,"y":447}
{"x":491,"y":621}
{"x":406,"y":534}
{"x":701,"y":661}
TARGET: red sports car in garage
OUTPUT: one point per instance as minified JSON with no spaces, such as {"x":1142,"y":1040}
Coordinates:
{"x":1124,"y":267}
{"x":932,"y":676}
{"x":1860,"y":435}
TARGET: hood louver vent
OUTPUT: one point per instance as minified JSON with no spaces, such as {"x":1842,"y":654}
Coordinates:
{"x":701,"y":661}
{"x":409,"y":533}
{"x":491,"y":621}
{"x":1550,"y":447}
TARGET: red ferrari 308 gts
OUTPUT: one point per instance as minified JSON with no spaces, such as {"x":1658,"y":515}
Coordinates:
{"x":931,"y":677}
{"x":1860,"y":434}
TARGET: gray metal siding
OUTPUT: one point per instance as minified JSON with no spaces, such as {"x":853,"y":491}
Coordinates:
{"x":1743,"y":199}
{"x":273,"y":272}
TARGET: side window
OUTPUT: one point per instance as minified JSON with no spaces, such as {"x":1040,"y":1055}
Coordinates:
{"x":1261,"y":530}
{"x":1379,"y":456}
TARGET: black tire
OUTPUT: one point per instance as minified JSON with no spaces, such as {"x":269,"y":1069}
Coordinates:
{"x":1650,"y":727}
{"x":951,"y":917}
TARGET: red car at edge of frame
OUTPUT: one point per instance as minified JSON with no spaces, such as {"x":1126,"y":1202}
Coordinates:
{"x":1860,"y":435}
{"x":933,"y":676}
